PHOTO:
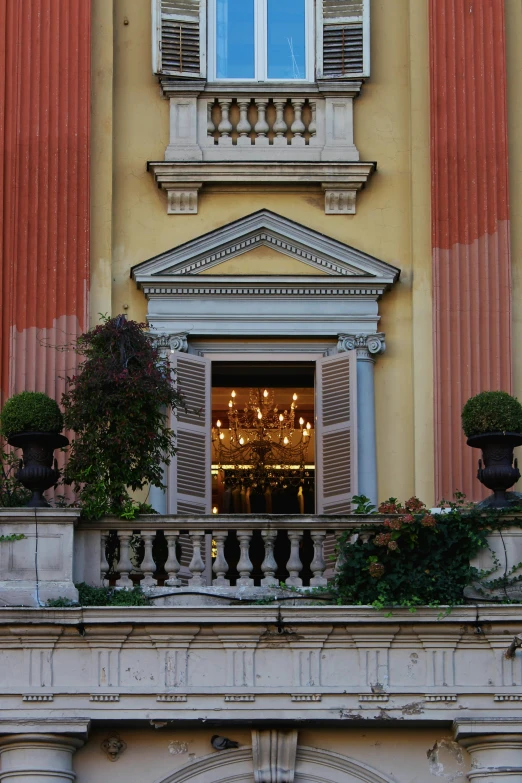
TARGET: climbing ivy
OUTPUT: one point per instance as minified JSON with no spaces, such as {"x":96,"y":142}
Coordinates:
{"x":410,"y":557}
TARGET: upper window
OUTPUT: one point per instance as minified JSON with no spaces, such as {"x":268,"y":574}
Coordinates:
{"x":260,"y":40}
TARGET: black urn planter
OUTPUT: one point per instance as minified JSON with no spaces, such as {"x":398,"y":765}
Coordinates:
{"x":37,"y":471}
{"x":499,"y":472}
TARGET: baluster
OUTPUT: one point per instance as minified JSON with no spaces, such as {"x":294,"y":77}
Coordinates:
{"x":243,"y":126}
{"x":298,"y":126}
{"x":244,"y":565}
{"x":124,"y":563}
{"x":280,"y":126}
{"x":225,"y":126}
{"x":172,"y":565}
{"x":261,"y":127}
{"x":220,"y":566}
{"x":211,"y":128}
{"x":105,"y":566}
{"x":312,"y":127}
{"x":197,"y":566}
{"x":148,"y":566}
{"x":294,"y":564}
{"x":269,"y":565}
{"x":340,"y":559}
{"x":318,"y":564}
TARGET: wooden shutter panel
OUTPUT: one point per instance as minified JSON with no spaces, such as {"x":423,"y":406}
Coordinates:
{"x":336,"y":433}
{"x":344,"y":39}
{"x":179,"y":30}
{"x":189,"y":478}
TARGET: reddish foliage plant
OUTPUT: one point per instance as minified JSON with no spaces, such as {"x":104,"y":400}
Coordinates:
{"x":116,"y":406}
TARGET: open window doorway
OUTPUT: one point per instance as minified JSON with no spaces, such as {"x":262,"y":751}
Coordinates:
{"x":263,"y":438}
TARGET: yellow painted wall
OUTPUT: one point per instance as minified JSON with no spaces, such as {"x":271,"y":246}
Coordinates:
{"x":262,"y":261}
{"x":130,"y":221}
{"x":152,"y":754}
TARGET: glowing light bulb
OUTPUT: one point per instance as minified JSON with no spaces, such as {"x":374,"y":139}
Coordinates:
{"x":265,"y":393}
{"x":214,"y":509}
{"x":241,"y":441}
{"x":221,"y":436}
{"x":259,"y":415}
{"x":233,"y":394}
{"x":285,"y":441}
{"x":281,"y":417}
{"x":305,"y":433}
{"x":218,"y":424}
{"x":301,"y":421}
{"x":308,"y":425}
{"x":294,"y":397}
{"x":230,"y":403}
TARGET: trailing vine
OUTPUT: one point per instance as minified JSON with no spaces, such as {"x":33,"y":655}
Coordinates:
{"x":410,"y":557}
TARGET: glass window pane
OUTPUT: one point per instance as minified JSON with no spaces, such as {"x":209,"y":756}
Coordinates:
{"x":286,"y":39}
{"x":235,"y":39}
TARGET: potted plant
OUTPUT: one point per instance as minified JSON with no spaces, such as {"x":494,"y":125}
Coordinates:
{"x":492,"y":421}
{"x":32,"y":422}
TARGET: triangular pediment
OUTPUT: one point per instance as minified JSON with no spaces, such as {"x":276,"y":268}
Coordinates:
{"x":260,"y":238}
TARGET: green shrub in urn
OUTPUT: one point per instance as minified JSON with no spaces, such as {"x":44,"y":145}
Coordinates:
{"x":491,"y":411}
{"x":30,"y":412}
{"x":32,"y":421}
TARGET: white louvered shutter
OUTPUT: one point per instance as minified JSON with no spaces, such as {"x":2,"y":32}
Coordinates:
{"x":336,"y":433}
{"x":343,"y":39}
{"x":179,"y":37}
{"x":189,"y":473}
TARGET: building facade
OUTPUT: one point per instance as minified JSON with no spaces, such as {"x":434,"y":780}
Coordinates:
{"x":313,"y":197}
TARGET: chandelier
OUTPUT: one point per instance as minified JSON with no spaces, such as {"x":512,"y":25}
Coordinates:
{"x":263,"y":440}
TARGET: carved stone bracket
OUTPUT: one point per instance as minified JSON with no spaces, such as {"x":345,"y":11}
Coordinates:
{"x":274,"y":754}
{"x":338,"y":199}
{"x":367,"y":345}
{"x":183,"y":199}
{"x":172,"y":342}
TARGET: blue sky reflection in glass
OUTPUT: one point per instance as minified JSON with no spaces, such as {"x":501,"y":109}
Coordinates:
{"x":286,"y":39}
{"x":235,"y":39}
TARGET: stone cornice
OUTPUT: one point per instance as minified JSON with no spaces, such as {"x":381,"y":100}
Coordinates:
{"x":195,"y":87}
{"x":183,"y":179}
{"x":360,"y":615}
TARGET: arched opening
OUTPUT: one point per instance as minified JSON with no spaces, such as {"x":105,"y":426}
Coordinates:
{"x":312,"y":764}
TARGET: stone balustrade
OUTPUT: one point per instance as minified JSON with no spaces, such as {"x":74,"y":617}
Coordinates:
{"x":214,"y":552}
{"x":278,"y":122}
{"x":247,"y":134}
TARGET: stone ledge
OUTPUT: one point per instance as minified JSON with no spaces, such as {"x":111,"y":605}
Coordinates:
{"x":364,"y":615}
{"x":340,"y":181}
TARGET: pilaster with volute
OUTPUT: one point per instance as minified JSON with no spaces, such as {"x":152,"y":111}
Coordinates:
{"x":166,"y":343}
{"x":368,"y":347}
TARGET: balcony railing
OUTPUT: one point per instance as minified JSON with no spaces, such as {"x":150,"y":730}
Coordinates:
{"x":222,"y":552}
{"x":246,"y":134}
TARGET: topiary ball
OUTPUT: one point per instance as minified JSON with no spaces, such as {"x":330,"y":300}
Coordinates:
{"x":491,"y":411}
{"x":30,"y":412}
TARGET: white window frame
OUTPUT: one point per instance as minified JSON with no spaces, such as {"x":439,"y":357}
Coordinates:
{"x":261,"y":46}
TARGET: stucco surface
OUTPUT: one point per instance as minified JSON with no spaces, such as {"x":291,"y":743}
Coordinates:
{"x":392,"y":220}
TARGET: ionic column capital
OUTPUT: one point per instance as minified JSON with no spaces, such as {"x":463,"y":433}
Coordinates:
{"x":368,"y":346}
{"x":166,"y":342}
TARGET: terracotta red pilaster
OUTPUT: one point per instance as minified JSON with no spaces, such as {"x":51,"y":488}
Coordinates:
{"x":470,"y":224}
{"x":44,"y":189}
